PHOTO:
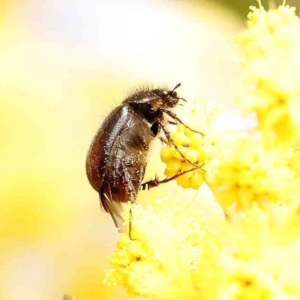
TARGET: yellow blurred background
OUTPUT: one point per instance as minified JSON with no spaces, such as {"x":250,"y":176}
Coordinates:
{"x":63,"y":66}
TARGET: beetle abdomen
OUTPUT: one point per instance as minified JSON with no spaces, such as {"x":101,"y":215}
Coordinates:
{"x":124,"y":168}
{"x":102,"y":143}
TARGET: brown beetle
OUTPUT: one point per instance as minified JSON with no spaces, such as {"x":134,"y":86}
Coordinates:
{"x":117,"y":158}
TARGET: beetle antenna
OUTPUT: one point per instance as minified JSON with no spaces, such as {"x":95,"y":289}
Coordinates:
{"x":176,"y":87}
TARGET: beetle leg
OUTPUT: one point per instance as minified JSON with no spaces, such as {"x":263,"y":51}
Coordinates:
{"x":168,"y":136}
{"x":130,"y":190}
{"x":172,"y":122}
{"x":164,"y":140}
{"x":174,"y":116}
{"x":132,"y":194}
{"x":155,"y":182}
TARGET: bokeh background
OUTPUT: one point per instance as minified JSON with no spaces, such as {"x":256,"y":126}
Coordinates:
{"x":64,"y":64}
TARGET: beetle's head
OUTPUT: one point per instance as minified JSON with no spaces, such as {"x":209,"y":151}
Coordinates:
{"x":147,"y":103}
{"x":166,"y":99}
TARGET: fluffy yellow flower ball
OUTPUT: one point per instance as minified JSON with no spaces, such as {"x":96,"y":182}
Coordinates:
{"x":270,"y":87}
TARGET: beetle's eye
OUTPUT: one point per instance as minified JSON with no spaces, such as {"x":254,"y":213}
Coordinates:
{"x":174,"y":94}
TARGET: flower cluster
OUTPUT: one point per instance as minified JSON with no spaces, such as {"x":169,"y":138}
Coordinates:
{"x":270,"y":87}
{"x":188,"y":143}
{"x":177,"y":252}
{"x":193,"y":148}
{"x":144,"y":262}
{"x":244,"y":173}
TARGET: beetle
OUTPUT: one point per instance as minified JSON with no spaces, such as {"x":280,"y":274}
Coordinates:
{"x":117,"y":158}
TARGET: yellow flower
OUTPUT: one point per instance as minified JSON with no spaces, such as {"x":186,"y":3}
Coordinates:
{"x":244,"y":172}
{"x":270,"y":87}
{"x":191,"y":148}
{"x":167,"y":238}
{"x":188,"y":143}
{"x":178,"y":252}
{"x":261,"y":263}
